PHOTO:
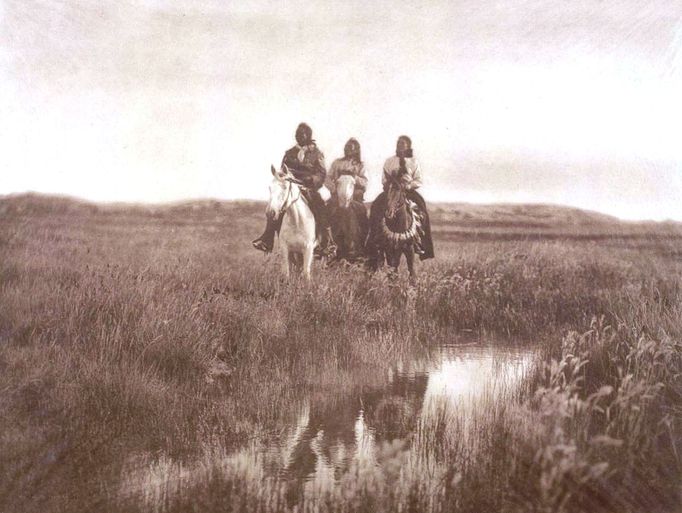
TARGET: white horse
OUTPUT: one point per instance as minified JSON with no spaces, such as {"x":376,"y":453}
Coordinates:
{"x":297,"y":236}
{"x":349,"y":222}
{"x":345,"y":185}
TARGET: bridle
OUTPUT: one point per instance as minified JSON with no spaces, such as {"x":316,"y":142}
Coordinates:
{"x":287,"y":200}
{"x":391,"y":212}
{"x":351,"y":185}
{"x":397,"y":237}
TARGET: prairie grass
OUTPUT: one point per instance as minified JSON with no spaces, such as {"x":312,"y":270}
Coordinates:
{"x":142,"y":350}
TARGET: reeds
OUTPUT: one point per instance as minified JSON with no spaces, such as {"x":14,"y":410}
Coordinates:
{"x":141,"y":352}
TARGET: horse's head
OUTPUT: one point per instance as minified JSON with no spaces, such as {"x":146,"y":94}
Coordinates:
{"x":399,"y":226}
{"x":396,"y":199}
{"x":283,"y":191}
{"x":345,"y":185}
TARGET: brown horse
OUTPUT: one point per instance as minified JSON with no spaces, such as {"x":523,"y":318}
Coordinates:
{"x":399,"y":228}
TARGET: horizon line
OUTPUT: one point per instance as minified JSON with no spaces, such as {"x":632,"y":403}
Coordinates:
{"x":170,"y":203}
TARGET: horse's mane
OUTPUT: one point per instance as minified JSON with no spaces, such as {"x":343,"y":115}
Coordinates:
{"x":395,"y":200}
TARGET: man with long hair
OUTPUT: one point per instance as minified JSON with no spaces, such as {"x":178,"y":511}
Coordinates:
{"x":350,"y":164}
{"x":402,"y":168}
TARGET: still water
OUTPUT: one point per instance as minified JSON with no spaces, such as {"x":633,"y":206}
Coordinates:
{"x":375,"y":428}
{"x":332,"y":430}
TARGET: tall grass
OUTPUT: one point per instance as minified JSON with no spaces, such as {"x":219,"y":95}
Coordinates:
{"x":141,"y":352}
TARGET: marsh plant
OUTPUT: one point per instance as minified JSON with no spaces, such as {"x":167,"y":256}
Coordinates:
{"x":147,"y":356}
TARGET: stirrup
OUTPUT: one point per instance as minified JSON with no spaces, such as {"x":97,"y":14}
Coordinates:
{"x":260,"y":245}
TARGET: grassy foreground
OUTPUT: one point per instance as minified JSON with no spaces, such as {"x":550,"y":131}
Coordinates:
{"x":142,"y":348}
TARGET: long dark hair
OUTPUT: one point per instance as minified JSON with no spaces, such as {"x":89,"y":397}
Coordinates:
{"x":402,"y":155}
{"x":351,"y":151}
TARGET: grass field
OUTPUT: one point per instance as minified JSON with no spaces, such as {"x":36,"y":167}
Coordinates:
{"x":142,"y":348}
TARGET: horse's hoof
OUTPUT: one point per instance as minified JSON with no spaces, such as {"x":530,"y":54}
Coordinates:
{"x":328,"y":252}
{"x":331,"y":250}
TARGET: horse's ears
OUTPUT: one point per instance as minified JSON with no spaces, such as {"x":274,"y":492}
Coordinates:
{"x":273,"y":170}
{"x":285,"y":168}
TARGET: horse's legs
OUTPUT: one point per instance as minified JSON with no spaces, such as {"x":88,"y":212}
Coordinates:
{"x":409,"y":256}
{"x":285,"y":261}
{"x":393,"y":262}
{"x":292,"y":262}
{"x":296,"y":262}
{"x":307,"y":261}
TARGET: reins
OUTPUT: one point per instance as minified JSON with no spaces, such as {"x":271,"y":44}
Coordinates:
{"x":391,"y":211}
{"x":286,"y":204}
{"x":410,"y":233}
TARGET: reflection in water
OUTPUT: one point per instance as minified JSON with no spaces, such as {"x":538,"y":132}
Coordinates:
{"x":466,"y":378}
{"x":364,"y":440}
{"x":361,"y":433}
{"x":334,"y":431}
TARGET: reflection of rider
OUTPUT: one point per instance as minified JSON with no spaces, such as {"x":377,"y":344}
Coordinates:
{"x":306,"y":163}
{"x":404,"y":168}
{"x":351,"y":164}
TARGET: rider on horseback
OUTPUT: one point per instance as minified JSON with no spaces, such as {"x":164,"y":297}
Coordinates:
{"x":350,"y":164}
{"x":404,"y":169}
{"x":306,"y":163}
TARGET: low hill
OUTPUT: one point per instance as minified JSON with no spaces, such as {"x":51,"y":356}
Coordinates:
{"x":450,"y":220}
{"x":34,"y":204}
{"x":526,"y":215}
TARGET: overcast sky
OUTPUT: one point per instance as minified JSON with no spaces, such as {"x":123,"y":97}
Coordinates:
{"x":574,"y":102}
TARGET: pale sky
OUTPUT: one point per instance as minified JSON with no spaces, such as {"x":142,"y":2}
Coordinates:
{"x":571,"y":102}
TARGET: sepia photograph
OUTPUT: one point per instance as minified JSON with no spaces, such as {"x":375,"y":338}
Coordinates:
{"x":308,"y":256}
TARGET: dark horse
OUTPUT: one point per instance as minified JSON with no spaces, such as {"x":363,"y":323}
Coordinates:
{"x":396,"y":231}
{"x":349,"y":221}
